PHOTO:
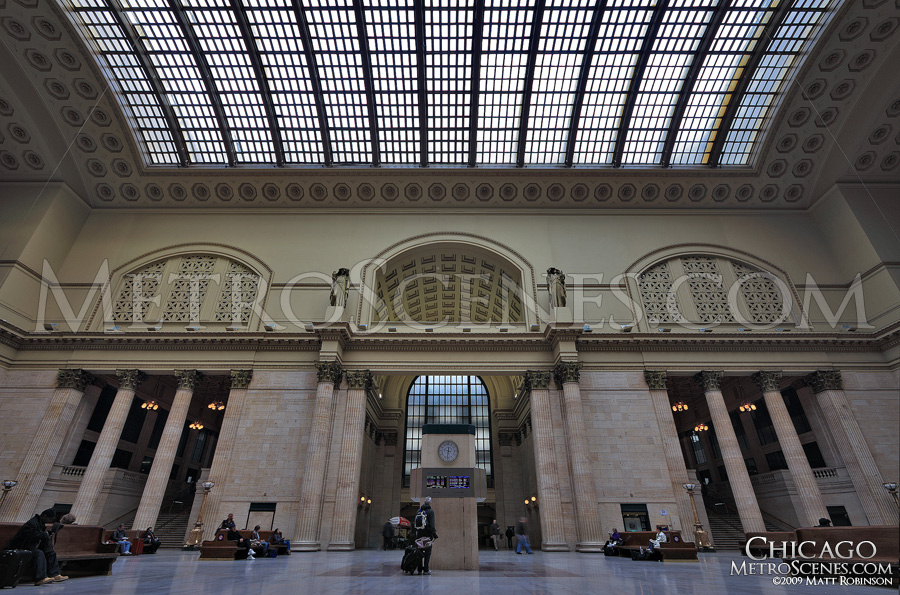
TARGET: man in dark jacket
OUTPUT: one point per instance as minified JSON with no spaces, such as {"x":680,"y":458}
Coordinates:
{"x":509,"y":536}
{"x":33,"y":536}
{"x":387,"y":532}
{"x":428,"y":531}
{"x":494,"y":532}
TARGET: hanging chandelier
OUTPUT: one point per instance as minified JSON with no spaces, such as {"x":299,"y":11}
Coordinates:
{"x":680,"y":406}
{"x":747,"y":407}
{"x":150,"y":405}
{"x":701,"y":427}
{"x":216,"y":406}
{"x":197,"y":425}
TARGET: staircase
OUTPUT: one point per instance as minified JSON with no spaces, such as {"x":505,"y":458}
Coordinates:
{"x":725,"y":526}
{"x":171,"y":528}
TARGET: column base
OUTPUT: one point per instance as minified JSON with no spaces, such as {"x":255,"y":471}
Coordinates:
{"x":341,"y":546}
{"x":590,"y":547}
{"x":305,"y":546}
{"x":554,"y":547}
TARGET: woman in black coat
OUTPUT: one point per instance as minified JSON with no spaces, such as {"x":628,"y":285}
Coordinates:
{"x":151,"y":543}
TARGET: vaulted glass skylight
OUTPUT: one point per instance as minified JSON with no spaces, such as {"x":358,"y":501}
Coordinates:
{"x":491,"y":83}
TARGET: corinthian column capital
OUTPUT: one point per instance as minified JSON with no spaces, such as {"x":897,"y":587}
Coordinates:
{"x":822,"y":380}
{"x":656,"y":380}
{"x":73,"y":378}
{"x":709,"y":380}
{"x":241,"y":378}
{"x":130,"y":379}
{"x":187,"y":379}
{"x":359,"y":379}
{"x":329,"y":372}
{"x":538,"y":379}
{"x":767,"y":381}
{"x":567,"y":372}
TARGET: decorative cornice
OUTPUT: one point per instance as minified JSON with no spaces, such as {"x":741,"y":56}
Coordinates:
{"x":822,"y":380}
{"x":709,"y":380}
{"x":567,"y":372}
{"x":130,"y":379}
{"x":768,"y":381}
{"x":655,"y":380}
{"x":537,"y":379}
{"x":329,"y":372}
{"x":73,"y":378}
{"x":359,"y":379}
{"x":187,"y":379}
{"x":241,"y":378}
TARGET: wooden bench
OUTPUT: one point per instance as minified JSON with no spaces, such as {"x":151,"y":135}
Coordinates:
{"x":676,"y":549}
{"x":134,"y":536}
{"x":885,"y":538}
{"x":759,"y":548}
{"x":220,"y":548}
{"x":79,"y":549}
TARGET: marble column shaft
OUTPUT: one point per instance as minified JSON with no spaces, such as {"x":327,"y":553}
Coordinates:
{"x":798,"y":465}
{"x":21,"y":501}
{"x":659,"y":396}
{"x":876,"y":502}
{"x":587,"y":510}
{"x":741,"y":486}
{"x":218,"y":471}
{"x":313,"y":487}
{"x":553,"y":538}
{"x":158,"y":479}
{"x":343,"y":528}
{"x":85,"y":506}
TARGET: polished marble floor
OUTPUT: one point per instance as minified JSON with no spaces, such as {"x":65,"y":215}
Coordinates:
{"x":372,"y":571}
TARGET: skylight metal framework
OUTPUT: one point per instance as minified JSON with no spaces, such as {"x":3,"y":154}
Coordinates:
{"x":477,"y":83}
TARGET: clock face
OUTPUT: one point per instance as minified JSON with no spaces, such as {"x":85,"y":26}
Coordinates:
{"x":448,"y":451}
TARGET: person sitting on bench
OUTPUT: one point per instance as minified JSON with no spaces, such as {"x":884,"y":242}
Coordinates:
{"x":242,"y":542}
{"x":660,"y":538}
{"x":121,"y":538}
{"x":33,"y":536}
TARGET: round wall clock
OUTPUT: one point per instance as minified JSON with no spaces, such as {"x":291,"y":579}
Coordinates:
{"x":448,"y":451}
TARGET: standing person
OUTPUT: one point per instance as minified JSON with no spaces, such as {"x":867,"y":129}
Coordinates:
{"x":121,"y":538}
{"x":522,"y":536}
{"x":494,"y":532}
{"x":509,"y":536}
{"x":228,"y":523}
{"x":387,"y":532}
{"x":428,"y":530}
{"x":33,"y":536}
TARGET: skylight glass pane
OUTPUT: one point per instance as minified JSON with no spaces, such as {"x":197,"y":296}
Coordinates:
{"x":335,"y":40}
{"x":738,"y":34}
{"x":504,"y":57}
{"x":185,"y":88}
{"x":274,"y":26}
{"x":623,"y":27}
{"x":448,"y":72}
{"x":682,"y":29}
{"x":391,"y":29}
{"x":134,"y":86}
{"x":560,"y":53}
{"x":803,"y":23}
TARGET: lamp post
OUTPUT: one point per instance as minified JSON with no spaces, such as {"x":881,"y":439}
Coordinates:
{"x":889,"y":486}
{"x":196,"y":536}
{"x":9,"y":484}
{"x":700,"y":537}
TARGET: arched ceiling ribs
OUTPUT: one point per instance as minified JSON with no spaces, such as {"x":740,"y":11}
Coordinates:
{"x":533,"y":46}
{"x":637,"y":76}
{"x":369,"y":83}
{"x":315,"y":81}
{"x":209,"y":82}
{"x":477,"y":40}
{"x":590,"y":43}
{"x":734,"y":101}
{"x":420,"y":73}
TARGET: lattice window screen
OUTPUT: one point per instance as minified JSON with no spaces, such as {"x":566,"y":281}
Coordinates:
{"x":249,"y":289}
{"x":180,"y":307}
{"x":150,"y":277}
{"x":761,"y":295}
{"x":656,"y":294}
{"x":707,"y":289}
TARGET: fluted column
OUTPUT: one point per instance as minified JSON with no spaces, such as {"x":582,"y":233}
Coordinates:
{"x":659,"y":396}
{"x":829,"y":388}
{"x":158,"y":480}
{"x":587,"y":512}
{"x":311,"y":492}
{"x":45,"y":445}
{"x":798,"y":465}
{"x":741,"y":487}
{"x":218,"y":471}
{"x":345,"y":501}
{"x":553,"y":538}
{"x":84,"y":507}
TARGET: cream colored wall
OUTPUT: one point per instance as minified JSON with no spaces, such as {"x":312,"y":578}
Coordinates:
{"x":875,"y":402}
{"x":24,"y":397}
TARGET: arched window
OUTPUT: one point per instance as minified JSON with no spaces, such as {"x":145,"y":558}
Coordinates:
{"x":447,"y":400}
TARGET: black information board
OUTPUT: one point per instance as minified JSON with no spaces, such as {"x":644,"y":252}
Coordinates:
{"x":448,"y":483}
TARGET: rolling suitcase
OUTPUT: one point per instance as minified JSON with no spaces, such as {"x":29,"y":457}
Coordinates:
{"x":13,"y":563}
{"x":412,"y":555}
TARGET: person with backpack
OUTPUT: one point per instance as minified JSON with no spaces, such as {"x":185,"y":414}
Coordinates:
{"x":425,"y":527}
